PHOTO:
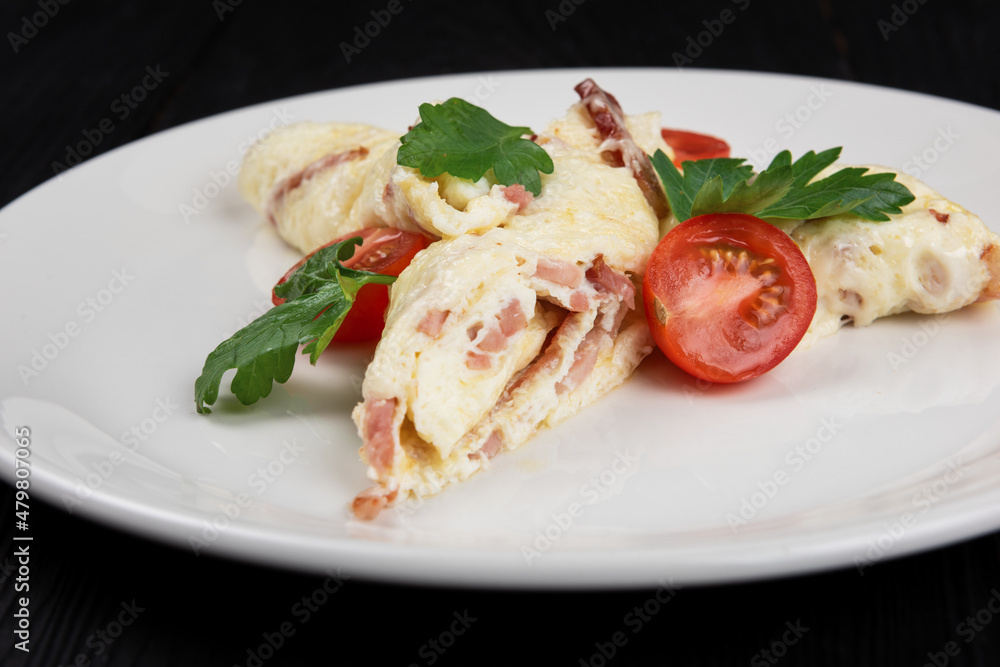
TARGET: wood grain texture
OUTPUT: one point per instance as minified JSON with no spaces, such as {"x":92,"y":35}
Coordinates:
{"x":196,"y":611}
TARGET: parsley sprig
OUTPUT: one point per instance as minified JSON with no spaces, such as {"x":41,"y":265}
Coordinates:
{"x":318,"y":297}
{"x":783,"y":190}
{"x":466,"y":141}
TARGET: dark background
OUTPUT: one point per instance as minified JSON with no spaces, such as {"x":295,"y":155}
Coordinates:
{"x":62,"y":65}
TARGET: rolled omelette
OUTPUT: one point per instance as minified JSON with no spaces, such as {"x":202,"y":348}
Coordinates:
{"x":934,"y":257}
{"x":494,"y":333}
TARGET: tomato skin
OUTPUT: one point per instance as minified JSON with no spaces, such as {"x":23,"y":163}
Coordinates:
{"x":383,"y":250}
{"x":693,"y":146}
{"x":728,"y":296}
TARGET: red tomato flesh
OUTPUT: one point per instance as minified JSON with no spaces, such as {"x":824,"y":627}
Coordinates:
{"x":728,"y":296}
{"x":693,"y":146}
{"x":383,"y":250}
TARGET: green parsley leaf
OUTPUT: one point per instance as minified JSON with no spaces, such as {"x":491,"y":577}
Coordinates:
{"x":807,"y":166}
{"x":315,"y":272}
{"x":319,"y":295}
{"x":867,"y":196}
{"x":682,"y":190}
{"x":782,"y":190}
{"x":768,"y":188}
{"x":466,"y":141}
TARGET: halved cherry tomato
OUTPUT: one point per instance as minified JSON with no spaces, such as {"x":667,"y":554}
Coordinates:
{"x":383,"y":250}
{"x":693,"y":146}
{"x":728,"y":296}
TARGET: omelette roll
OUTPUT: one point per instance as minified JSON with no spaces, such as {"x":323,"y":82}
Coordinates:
{"x":491,"y":336}
{"x":934,"y":257}
{"x":487,"y":342}
{"x":318,"y":181}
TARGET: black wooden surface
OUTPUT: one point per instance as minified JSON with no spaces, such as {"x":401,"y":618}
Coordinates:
{"x":62,"y":66}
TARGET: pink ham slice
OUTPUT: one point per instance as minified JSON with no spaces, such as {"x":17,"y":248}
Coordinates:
{"x":566,"y":274}
{"x":512,"y":318}
{"x":509,"y":321}
{"x":432,"y":323}
{"x":578,"y":302}
{"x":607,"y":280}
{"x":491,"y":447}
{"x":610,"y":121}
{"x":552,"y":352}
{"x":370,"y":502}
{"x":493,"y":341}
{"x":559,"y":271}
{"x":477,"y":361}
{"x":288,"y":184}
{"x":516,"y":194}
{"x":380,"y":444}
{"x":602,"y":278}
{"x":584,"y":360}
{"x":618,"y":294}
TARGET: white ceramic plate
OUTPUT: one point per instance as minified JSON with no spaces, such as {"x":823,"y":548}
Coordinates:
{"x":121,"y":275}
